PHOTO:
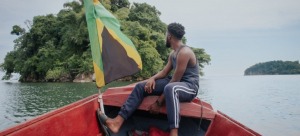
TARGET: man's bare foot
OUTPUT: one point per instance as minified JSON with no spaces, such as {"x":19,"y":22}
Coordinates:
{"x":174,"y":132}
{"x":115,"y":124}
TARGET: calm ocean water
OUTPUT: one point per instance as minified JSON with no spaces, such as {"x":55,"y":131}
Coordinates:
{"x":267,"y":104}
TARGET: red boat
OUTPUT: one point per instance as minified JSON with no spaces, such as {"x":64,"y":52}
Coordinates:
{"x":79,"y":118}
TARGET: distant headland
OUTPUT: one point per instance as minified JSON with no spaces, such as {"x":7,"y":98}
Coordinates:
{"x":274,"y":68}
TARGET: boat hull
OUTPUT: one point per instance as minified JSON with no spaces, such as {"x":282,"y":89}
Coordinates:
{"x":76,"y":119}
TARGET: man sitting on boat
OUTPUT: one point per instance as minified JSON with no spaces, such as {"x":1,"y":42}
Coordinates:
{"x":181,"y":87}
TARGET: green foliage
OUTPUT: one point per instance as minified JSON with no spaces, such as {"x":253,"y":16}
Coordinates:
{"x":274,"y":68}
{"x":122,"y":13}
{"x":159,"y":39}
{"x":9,"y":65}
{"x":17,"y":30}
{"x":47,"y":46}
{"x":151,"y":59}
{"x":118,"y":4}
{"x":147,"y":16}
{"x":57,"y":47}
{"x":202,"y":58}
{"x":55,"y":74}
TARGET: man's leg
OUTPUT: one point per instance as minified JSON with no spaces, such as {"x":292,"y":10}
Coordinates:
{"x":175,"y":93}
{"x":133,"y":101}
{"x":137,"y":95}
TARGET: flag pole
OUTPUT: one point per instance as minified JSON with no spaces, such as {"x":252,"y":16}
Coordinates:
{"x":100,"y":100}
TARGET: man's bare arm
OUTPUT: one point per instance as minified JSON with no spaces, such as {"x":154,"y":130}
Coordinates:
{"x":150,"y":85}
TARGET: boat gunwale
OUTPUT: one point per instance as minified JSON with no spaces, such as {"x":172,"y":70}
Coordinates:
{"x":47,"y":115}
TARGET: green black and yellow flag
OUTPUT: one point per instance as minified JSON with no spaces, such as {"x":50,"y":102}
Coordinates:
{"x":114,"y":55}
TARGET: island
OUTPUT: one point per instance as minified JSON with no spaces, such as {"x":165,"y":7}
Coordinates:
{"x":56,"y":47}
{"x":278,"y":67}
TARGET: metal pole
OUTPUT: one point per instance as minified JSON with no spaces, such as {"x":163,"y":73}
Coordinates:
{"x":100,"y":100}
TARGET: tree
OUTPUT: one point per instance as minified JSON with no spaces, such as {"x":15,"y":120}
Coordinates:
{"x":147,"y":16}
{"x":274,"y":68}
{"x":202,"y":58}
{"x":57,"y":46}
{"x":17,"y":30}
{"x":118,"y":4}
{"x":9,"y":65}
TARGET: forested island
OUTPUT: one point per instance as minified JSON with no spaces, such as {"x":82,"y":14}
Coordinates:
{"x":55,"y":48}
{"x":274,"y":68}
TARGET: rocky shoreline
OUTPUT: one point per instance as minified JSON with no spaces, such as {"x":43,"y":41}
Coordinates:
{"x":79,"y":78}
{"x":85,"y":77}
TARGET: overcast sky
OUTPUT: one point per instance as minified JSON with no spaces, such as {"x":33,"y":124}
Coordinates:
{"x":236,"y":33}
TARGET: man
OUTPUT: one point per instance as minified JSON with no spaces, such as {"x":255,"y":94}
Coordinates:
{"x":181,"y":87}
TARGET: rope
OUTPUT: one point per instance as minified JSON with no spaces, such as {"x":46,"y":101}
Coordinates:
{"x":199,"y":128}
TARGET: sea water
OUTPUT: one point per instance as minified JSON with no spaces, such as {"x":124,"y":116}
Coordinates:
{"x":269,"y":105}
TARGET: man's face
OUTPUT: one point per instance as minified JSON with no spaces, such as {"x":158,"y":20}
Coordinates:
{"x":168,"y":37}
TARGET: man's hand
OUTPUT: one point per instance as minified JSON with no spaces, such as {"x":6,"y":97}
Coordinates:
{"x":150,"y":85}
{"x":154,"y":108}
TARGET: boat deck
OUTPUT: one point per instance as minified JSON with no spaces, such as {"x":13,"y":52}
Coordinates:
{"x":142,"y":121}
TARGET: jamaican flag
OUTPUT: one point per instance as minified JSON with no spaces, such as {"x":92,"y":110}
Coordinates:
{"x":114,"y":55}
